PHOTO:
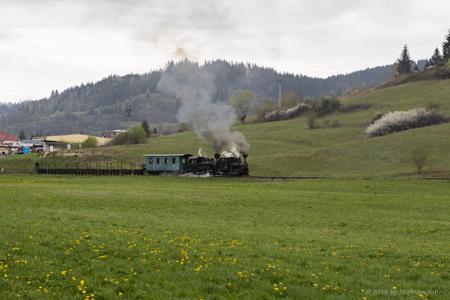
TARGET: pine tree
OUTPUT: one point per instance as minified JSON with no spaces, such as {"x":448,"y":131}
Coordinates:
{"x":446,"y":48}
{"x":404,"y":62}
{"x":54,"y":94}
{"x":436,"y":59}
{"x":22,"y":135}
{"x":146,"y":128}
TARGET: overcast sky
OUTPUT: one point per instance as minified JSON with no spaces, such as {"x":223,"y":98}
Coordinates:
{"x":54,"y":44}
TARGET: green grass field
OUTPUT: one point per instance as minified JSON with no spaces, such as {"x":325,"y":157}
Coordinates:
{"x":210,"y":238}
{"x":289,"y":148}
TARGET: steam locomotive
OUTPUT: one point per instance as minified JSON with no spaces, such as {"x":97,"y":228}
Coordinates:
{"x":218,"y":166}
{"x":197,"y":165}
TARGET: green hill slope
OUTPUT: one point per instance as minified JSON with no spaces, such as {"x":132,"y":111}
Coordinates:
{"x":290,"y":148}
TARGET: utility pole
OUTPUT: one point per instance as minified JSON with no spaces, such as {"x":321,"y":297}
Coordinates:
{"x":279,"y":92}
{"x":128,"y":111}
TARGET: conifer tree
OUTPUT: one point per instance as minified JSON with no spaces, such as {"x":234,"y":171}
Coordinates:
{"x":404,"y":63}
{"x":436,"y":59}
{"x":22,"y":135}
{"x":446,"y":48}
{"x":146,"y":128}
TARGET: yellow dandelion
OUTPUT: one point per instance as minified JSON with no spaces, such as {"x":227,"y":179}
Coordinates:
{"x":198,"y":268}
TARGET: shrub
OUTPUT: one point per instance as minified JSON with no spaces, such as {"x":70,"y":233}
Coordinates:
{"x":183,"y":127}
{"x":433,"y":105}
{"x":355,"y":107}
{"x":120,"y":139}
{"x":419,"y":157}
{"x":286,"y":113}
{"x":290,"y":99}
{"x":90,"y":142}
{"x":331,"y":124}
{"x":263,"y":109}
{"x":336,"y":124}
{"x":135,"y":135}
{"x":376,"y":117}
{"x":327,"y":106}
{"x":404,"y":120}
{"x":268,"y":111}
{"x":311,"y":121}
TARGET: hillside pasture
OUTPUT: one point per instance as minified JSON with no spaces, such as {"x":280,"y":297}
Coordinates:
{"x":289,"y":148}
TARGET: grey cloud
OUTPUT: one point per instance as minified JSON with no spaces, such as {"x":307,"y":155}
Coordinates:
{"x":313,"y":37}
{"x":7,"y":36}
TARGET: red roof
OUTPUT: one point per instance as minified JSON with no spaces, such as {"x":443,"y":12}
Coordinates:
{"x":7,"y":137}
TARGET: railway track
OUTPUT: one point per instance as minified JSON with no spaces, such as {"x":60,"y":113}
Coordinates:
{"x":287,"y":177}
{"x":134,"y":172}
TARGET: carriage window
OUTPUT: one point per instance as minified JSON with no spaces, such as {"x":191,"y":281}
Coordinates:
{"x":174,"y":160}
{"x":157,"y":160}
{"x":150,"y":160}
{"x":166,"y":160}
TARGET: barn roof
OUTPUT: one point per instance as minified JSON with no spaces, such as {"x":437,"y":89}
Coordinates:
{"x":71,"y":139}
{"x":7,"y":137}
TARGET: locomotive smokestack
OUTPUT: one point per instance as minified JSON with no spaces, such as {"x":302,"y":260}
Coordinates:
{"x":216,"y":156}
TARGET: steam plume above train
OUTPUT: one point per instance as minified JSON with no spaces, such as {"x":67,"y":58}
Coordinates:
{"x":211,"y":120}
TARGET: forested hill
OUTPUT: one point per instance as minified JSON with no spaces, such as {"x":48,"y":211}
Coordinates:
{"x":95,"y":107}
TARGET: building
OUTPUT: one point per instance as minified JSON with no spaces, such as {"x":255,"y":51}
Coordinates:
{"x":68,"y":141}
{"x":8,"y":143}
{"x":35,"y":146}
{"x":6,"y":150}
{"x":113,"y":133}
{"x":5,"y":138}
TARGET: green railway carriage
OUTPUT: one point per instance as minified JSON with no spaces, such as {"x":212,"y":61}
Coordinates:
{"x":166,"y":163}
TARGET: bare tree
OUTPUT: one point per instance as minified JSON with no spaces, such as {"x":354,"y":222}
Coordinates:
{"x":290,"y":99}
{"x":311,"y":121}
{"x":241,"y":101}
{"x":419,"y":156}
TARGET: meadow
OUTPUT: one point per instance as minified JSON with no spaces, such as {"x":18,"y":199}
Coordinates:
{"x":214,"y":238}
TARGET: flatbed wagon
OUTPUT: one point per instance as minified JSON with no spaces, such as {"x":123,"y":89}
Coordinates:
{"x":88,"y":171}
